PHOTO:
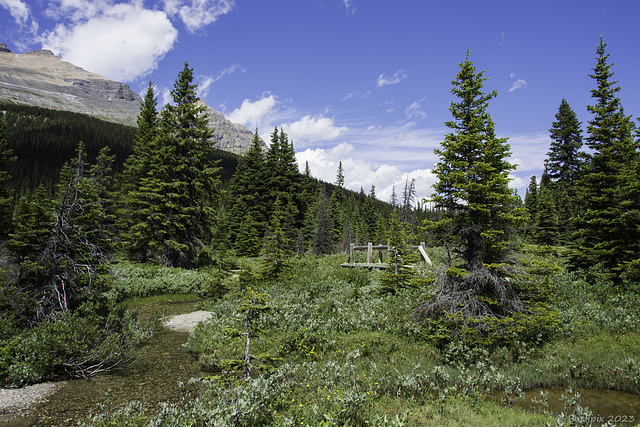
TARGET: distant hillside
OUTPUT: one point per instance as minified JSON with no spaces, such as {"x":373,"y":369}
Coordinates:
{"x":45,"y":139}
{"x":41,"y":79}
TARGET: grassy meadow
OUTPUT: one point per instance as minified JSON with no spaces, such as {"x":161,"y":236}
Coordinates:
{"x":328,"y":348}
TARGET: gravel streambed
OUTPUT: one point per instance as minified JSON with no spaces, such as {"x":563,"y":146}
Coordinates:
{"x":14,"y":401}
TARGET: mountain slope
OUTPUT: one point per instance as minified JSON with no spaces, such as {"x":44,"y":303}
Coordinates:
{"x":41,"y":79}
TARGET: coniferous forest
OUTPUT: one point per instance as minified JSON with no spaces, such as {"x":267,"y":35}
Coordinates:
{"x":519,"y":295}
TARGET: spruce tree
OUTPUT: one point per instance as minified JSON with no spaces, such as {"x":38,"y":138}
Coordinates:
{"x":284,"y":178}
{"x":563,"y":165}
{"x":607,"y":234}
{"x":370,"y":216}
{"x":32,"y":221}
{"x":336,"y":201}
{"x":173,"y":204}
{"x":322,"y":235}
{"x":479,"y":213}
{"x":563,"y":158}
{"x":531,"y":198}
{"x":276,"y":248}
{"x":546,"y":221}
{"x":101,"y":178}
{"x":397,"y":274}
{"x":249,"y":196}
{"x":136,"y":207}
{"x":408,"y":197}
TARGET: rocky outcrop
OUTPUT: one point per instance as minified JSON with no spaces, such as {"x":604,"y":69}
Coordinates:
{"x":42,"y":79}
{"x":229,"y":136}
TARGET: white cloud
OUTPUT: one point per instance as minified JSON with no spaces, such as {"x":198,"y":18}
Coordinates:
{"x":196,"y":14}
{"x":397,"y":77}
{"x":362,"y":173}
{"x":204,"y":85}
{"x":255,"y":114}
{"x":529,"y":151}
{"x":164,"y":96}
{"x":77,"y":10}
{"x":350,"y":6}
{"x":18,"y":10}
{"x":520,"y":83}
{"x":310,"y":128}
{"x":413,"y":111}
{"x":121,"y":42}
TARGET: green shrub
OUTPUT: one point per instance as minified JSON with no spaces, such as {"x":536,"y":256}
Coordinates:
{"x":82,"y":343}
{"x":143,"y":280}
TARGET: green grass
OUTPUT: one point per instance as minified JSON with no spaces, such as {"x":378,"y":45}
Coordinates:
{"x":333,"y":350}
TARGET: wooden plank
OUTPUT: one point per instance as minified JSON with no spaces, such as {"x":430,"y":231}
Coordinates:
{"x":371,"y":265}
{"x":364,"y":265}
{"x":424,"y":254}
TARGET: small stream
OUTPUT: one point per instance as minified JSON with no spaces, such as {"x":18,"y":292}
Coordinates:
{"x":616,"y":407}
{"x":163,"y":363}
{"x":153,"y":377}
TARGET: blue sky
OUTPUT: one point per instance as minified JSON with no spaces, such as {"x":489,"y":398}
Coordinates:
{"x":364,"y":82}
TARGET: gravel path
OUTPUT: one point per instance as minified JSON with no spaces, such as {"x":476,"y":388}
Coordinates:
{"x":186,"y":322}
{"x":15,"y":400}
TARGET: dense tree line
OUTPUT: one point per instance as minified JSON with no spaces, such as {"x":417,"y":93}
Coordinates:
{"x":43,"y":140}
{"x":588,"y":198}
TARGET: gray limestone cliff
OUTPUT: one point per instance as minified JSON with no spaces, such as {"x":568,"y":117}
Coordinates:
{"x":229,"y":136}
{"x":41,"y":79}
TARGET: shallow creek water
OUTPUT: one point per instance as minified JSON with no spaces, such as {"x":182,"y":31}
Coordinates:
{"x":160,"y":365}
{"x":616,"y":407}
{"x":153,"y":377}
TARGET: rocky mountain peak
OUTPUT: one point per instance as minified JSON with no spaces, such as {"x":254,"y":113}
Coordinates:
{"x":228,"y":136}
{"x":42,"y":79}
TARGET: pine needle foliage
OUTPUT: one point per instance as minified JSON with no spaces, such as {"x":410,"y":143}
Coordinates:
{"x":479,"y":212}
{"x":607,"y":232}
{"x":171,"y":206}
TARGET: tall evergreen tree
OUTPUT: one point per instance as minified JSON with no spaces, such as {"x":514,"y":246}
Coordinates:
{"x":340,"y":176}
{"x":337,"y":206}
{"x":370,"y":215}
{"x":136,"y":207}
{"x":397,"y":274}
{"x":249,"y":195}
{"x":531,"y":198}
{"x":546,"y":221}
{"x":101,"y":178}
{"x":408,"y":197}
{"x":479,"y":215}
{"x":322,"y":235}
{"x":32,"y":225}
{"x":563,"y":158}
{"x":276,"y":247}
{"x":607,"y":233}
{"x":176,"y":197}
{"x":394,"y":197}
{"x":284,"y":178}
{"x":563,"y":165}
